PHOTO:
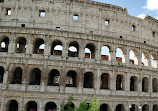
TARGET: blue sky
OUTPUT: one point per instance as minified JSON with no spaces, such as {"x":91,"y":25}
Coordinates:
{"x":138,"y":8}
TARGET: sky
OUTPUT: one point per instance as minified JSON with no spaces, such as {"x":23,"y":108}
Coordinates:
{"x":137,"y":8}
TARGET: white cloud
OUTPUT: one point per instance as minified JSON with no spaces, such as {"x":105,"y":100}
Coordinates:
{"x":142,"y":16}
{"x":152,"y":4}
{"x":156,"y":17}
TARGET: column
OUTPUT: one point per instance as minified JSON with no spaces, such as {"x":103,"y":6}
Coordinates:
{"x":62,"y":80}
{"x":97,"y":81}
{"x":2,"y":103}
{"x":149,"y":59}
{"x":41,"y":107}
{"x":98,"y":53}
{"x":29,"y":48}
{"x":127,"y":55}
{"x":47,"y":46}
{"x":65,"y":50}
{"x":139,"y":57}
{"x":11,"y":47}
{"x":113,"y":54}
{"x":139,"y":84}
{"x":80,"y":80}
{"x":127,"y":82}
{"x":82,"y":50}
{"x":43,"y":79}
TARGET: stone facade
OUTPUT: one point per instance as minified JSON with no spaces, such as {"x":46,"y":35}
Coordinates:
{"x":33,"y":71}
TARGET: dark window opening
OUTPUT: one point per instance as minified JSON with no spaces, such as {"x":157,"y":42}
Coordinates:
{"x":121,"y":37}
{"x":120,"y":107}
{"x":39,"y":46}
{"x":145,"y":84}
{"x":134,"y":107}
{"x":88,"y":80}
{"x":104,"y":107}
{"x":71,"y":80}
{"x":153,"y":33}
{"x":8,"y":11}
{"x":90,"y":51}
{"x":144,"y":42}
{"x":35,"y":77}
{"x":17,"y":76}
{"x":50,"y":106}
{"x":31,"y":106}
{"x":73,"y":49}
{"x":42,"y":13}
{"x":104,"y":81}
{"x":53,"y":78}
{"x":22,"y":25}
{"x":120,"y":82}
{"x":1,"y":74}
{"x":56,"y":48}
{"x":145,"y":107}
{"x":21,"y":45}
{"x":4,"y":45}
{"x":155,"y":85}
{"x":13,"y":106}
{"x":133,"y":83}
{"x":155,"y":108}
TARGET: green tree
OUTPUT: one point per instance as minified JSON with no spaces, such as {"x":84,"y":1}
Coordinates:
{"x":83,"y":106}
{"x":94,"y":105}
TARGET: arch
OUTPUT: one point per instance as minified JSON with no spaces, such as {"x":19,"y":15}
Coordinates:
{"x":50,"y":106}
{"x":120,"y":82}
{"x":105,"y":53}
{"x":69,"y":107}
{"x":35,"y":76}
{"x":120,"y":107}
{"x":73,"y":49}
{"x":53,"y":78}
{"x":1,"y":74}
{"x":71,"y":80}
{"x":104,"y":83}
{"x":17,"y":76}
{"x":134,"y":107}
{"x":153,"y":61}
{"x":4,"y":44}
{"x":132,"y":57}
{"x":88,"y":80}
{"x":155,"y":85}
{"x":145,"y":107}
{"x":56,"y":48}
{"x":133,"y":83}
{"x":155,"y":107}
{"x":39,"y":46}
{"x":31,"y":106}
{"x":13,"y":105}
{"x":145,"y":84}
{"x":90,"y":51}
{"x":144,"y":59}
{"x":120,"y":55}
{"x":21,"y":45}
{"x":104,"y":107}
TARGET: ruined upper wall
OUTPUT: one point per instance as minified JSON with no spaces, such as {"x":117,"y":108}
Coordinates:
{"x":91,"y":18}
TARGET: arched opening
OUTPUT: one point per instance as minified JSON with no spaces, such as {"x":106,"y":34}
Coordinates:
{"x":90,"y":51}
{"x":132,"y":57}
{"x":31,"y":106}
{"x":53,"y":78}
{"x":145,"y":84}
{"x":104,"y":83}
{"x":133,"y":83}
{"x":1,"y":74}
{"x":105,"y":53}
{"x":120,"y":107}
{"x":88,"y":80}
{"x":153,"y":61}
{"x":71,"y":80}
{"x":134,"y":107}
{"x":155,"y":107}
{"x":35,"y":76}
{"x":120,"y":55}
{"x":73,"y":49}
{"x":120,"y":82}
{"x":145,"y":107}
{"x":17,"y":76}
{"x":4,"y":45}
{"x":104,"y":107}
{"x":155,"y":85}
{"x":21,"y":45}
{"x":50,"y":106}
{"x":144,"y":59}
{"x":13,"y":106}
{"x":39,"y":46}
{"x":57,"y":48}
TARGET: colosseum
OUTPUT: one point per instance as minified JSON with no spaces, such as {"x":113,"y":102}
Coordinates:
{"x":50,"y":49}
